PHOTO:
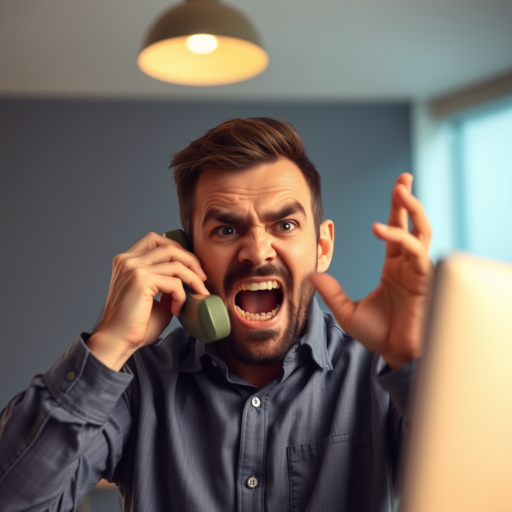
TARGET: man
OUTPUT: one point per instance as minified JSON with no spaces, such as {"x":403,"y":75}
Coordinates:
{"x":288,"y":412}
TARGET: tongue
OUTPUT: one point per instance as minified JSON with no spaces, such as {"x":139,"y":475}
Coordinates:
{"x":262,"y":301}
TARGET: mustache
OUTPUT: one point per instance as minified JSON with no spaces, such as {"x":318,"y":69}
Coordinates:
{"x":241,"y":272}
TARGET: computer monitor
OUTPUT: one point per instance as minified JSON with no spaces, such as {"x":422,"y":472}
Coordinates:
{"x":458,"y":455}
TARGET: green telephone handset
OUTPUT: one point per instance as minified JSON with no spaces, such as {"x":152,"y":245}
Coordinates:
{"x":203,"y":316}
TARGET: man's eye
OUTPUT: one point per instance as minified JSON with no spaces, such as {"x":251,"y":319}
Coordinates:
{"x":226,"y":230}
{"x":286,"y":225}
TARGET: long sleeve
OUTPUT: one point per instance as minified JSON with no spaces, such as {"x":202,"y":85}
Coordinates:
{"x":63,"y":434}
{"x":398,"y":383}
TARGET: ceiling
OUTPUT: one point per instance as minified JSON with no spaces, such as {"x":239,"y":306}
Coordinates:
{"x":319,"y":49}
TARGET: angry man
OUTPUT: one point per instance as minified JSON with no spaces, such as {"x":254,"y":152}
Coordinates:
{"x":296,"y":410}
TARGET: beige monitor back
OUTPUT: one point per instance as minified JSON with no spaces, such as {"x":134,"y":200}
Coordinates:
{"x":459,"y":453}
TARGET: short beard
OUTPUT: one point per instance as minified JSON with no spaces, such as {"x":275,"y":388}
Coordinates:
{"x":268,"y":346}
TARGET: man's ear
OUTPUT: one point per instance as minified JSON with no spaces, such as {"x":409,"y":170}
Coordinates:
{"x":325,"y":245}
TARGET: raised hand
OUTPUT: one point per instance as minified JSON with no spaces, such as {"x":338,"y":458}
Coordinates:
{"x":132,"y":317}
{"x":389,"y":321}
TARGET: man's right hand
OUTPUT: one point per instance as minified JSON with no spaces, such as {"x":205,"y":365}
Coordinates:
{"x":132,"y":317}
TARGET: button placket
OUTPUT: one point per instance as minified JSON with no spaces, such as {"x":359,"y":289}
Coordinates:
{"x":253,"y":448}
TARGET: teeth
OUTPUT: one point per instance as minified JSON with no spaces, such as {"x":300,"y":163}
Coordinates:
{"x":253,"y":287}
{"x":258,"y":316}
{"x":265,"y":285}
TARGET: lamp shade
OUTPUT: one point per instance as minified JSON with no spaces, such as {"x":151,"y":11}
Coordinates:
{"x":202,"y":42}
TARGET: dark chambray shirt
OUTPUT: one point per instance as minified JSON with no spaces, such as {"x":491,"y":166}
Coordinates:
{"x":176,"y":431}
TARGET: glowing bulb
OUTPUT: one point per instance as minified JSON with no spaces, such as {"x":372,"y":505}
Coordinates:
{"x":202,"y":43}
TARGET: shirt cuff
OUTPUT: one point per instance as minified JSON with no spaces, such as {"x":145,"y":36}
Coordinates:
{"x":85,"y":386}
{"x":398,"y":383}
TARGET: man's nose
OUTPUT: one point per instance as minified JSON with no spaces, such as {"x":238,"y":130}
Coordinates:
{"x":257,"y":247}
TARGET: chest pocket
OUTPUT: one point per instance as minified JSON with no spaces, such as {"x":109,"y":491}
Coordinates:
{"x":333,"y":474}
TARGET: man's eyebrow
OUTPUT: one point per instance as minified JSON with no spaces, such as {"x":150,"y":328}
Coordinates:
{"x":222,"y":216}
{"x":285,"y":211}
{"x":231,"y":218}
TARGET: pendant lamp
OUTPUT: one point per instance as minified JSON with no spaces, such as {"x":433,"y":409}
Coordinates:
{"x":202,"y":42}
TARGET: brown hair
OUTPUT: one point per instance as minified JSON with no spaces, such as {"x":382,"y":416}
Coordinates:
{"x":240,"y":144}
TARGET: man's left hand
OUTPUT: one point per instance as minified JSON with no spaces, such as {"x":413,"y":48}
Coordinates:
{"x":389,"y":321}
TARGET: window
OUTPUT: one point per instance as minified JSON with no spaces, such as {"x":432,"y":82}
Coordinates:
{"x":483,"y":182}
{"x":463,"y":177}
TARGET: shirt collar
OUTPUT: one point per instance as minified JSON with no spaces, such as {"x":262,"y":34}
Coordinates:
{"x":315,"y":338}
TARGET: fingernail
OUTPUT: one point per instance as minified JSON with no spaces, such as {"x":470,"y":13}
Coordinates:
{"x":203,"y":275}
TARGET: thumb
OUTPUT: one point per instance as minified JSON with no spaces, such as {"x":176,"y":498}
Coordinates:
{"x":166,"y":301}
{"x":158,"y":321}
{"x":333,"y":295}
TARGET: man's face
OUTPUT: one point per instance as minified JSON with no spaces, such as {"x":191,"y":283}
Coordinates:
{"x":255,"y":228}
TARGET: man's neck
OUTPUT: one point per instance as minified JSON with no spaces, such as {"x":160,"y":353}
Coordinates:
{"x":258,"y":376}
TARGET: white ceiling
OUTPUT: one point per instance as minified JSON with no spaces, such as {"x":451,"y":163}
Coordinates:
{"x":319,"y":49}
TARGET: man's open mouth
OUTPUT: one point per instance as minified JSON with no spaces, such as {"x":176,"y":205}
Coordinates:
{"x":258,"y":301}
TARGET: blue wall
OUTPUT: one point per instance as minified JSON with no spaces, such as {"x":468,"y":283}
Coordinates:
{"x":83,"y":181}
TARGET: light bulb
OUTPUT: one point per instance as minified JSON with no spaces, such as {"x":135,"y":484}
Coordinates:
{"x":202,"y":43}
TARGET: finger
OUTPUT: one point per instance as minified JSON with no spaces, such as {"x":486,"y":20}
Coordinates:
{"x":397,"y":213}
{"x":334,"y":296}
{"x":163,"y":254}
{"x":168,"y":253}
{"x":408,"y":243}
{"x":173,"y":293}
{"x":166,"y":301}
{"x":420,"y":224}
{"x":177,"y":269}
{"x":150,"y":241}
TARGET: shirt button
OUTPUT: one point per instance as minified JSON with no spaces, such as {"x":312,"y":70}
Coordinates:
{"x":70,"y":377}
{"x":256,"y":402}
{"x":252,"y":482}
{"x":214,"y":363}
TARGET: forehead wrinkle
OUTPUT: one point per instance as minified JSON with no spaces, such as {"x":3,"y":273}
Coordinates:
{"x":250,"y":210}
{"x":244,"y":192}
{"x":248,"y":183}
{"x":245,"y":196}
{"x":239,"y":195}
